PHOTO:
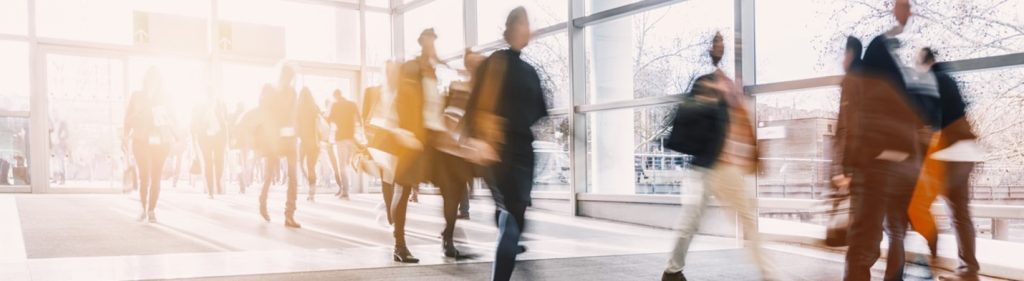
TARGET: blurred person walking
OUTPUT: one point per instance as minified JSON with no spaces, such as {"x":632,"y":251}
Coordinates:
{"x":343,"y":116}
{"x":947,"y":176}
{"x":507,"y":101}
{"x":845,"y":142}
{"x":895,"y":113}
{"x":209,"y":130}
{"x":714,"y":126}
{"x":414,"y":103}
{"x":278,"y":140}
{"x":149,"y":131}
{"x":308,"y":127}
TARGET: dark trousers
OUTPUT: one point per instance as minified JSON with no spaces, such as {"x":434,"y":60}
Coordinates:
{"x":213,"y":152}
{"x":396,"y":199}
{"x":150,"y":160}
{"x":957,"y":198}
{"x":881,"y":192}
{"x":513,"y":179}
{"x":273,"y":164}
{"x":452,"y":195}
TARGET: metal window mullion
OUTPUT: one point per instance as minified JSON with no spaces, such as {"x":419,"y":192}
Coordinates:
{"x":582,"y":20}
{"x":469,"y":22}
{"x":364,"y":57}
{"x":38,"y":127}
{"x":330,"y":3}
{"x":403,"y":8}
{"x":578,"y":92}
{"x":397,"y":31}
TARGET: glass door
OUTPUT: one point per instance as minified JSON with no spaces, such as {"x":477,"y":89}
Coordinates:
{"x":85,"y":101}
{"x":15,"y":158}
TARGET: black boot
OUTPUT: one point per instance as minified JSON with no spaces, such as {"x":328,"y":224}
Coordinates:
{"x":678,"y":276}
{"x":403,"y":255}
{"x":448,"y":246}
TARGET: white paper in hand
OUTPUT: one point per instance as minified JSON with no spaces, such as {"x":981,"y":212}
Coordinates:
{"x":961,"y":151}
{"x":893,"y":156}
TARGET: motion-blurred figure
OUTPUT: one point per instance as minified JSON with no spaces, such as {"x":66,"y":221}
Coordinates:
{"x":343,"y":116}
{"x":507,"y":101}
{"x":414,"y":103}
{"x":948,"y":177}
{"x":714,"y":126}
{"x":149,"y":130}
{"x":308,"y":122}
{"x":895,"y":113}
{"x":210,"y":132}
{"x":278,"y":141}
{"x":844,"y":148}
{"x":472,"y":62}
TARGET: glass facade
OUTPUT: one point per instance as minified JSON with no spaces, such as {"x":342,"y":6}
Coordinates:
{"x":616,"y":73}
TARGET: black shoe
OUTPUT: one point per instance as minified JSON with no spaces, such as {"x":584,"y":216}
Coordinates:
{"x":290,"y":222}
{"x":448,"y":247}
{"x":403,"y":255}
{"x":263,"y":212}
{"x":522,"y":249}
{"x":678,"y":276}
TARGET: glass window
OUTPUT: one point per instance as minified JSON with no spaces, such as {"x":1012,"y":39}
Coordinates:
{"x":14,"y":17}
{"x":379,"y":3}
{"x":626,"y":153}
{"x":550,"y":56}
{"x":242,"y":84}
{"x":14,"y":151}
{"x":796,"y":130}
{"x":185,"y":80}
{"x":658,"y":52}
{"x":378,"y":39}
{"x":552,"y":150}
{"x":105,"y":21}
{"x":87,"y":102}
{"x":323,"y":87}
{"x":445,"y":16}
{"x":312,"y":32}
{"x":491,"y":16}
{"x":957,"y":30}
{"x":596,"y":6}
{"x":995,"y":99}
{"x":14,"y":75}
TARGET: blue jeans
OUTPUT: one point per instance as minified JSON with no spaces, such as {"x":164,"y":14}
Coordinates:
{"x":510,"y":230}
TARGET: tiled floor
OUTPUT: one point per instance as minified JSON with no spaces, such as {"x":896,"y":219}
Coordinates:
{"x":97,"y":237}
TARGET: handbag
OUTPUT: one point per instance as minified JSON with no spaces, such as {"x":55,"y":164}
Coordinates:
{"x":838,"y":225}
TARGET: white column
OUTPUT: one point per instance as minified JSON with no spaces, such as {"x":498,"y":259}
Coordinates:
{"x":613,"y":131}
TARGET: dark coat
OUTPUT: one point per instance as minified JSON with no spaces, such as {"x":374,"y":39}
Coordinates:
{"x":954,"y":110}
{"x":886,"y":116}
{"x":700,"y":124}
